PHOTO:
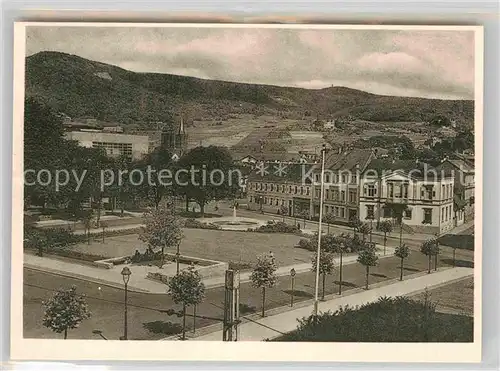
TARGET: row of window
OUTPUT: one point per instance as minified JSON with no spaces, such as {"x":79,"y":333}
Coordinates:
{"x":335,"y":195}
{"x":271,"y":201}
{"x":446,"y":213}
{"x":282,"y":188}
{"x":401,"y":191}
{"x":446,"y":191}
{"x":337,"y":178}
{"x":114,"y":149}
{"x":387,"y":213}
{"x":335,"y":210}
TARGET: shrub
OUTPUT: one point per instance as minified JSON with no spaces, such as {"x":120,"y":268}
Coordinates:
{"x":55,"y":237}
{"x":277,"y":227}
{"x":193,"y":223}
{"x":307,"y":244}
{"x":147,"y":256}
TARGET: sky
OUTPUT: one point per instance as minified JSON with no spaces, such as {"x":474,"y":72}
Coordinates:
{"x":430,"y":64}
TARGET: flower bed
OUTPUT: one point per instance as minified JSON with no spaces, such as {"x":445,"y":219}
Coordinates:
{"x":193,"y":223}
{"x":276,"y":227}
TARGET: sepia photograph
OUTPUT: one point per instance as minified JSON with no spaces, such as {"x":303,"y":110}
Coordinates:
{"x":288,"y":186}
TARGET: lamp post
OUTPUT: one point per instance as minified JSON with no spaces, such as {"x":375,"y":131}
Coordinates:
{"x":292,"y":277}
{"x":126,"y":277}
{"x":316,"y":288}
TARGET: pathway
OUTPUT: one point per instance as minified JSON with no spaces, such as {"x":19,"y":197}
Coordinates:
{"x":272,"y":326}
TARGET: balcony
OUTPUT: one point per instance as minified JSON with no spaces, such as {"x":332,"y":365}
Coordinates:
{"x":397,"y":200}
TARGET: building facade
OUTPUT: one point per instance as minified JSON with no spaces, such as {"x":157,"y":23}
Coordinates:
{"x":341,"y":184}
{"x":115,"y":144}
{"x":270,"y":192}
{"x":428,"y":200}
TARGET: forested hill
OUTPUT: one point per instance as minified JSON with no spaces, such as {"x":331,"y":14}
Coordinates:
{"x":83,"y":88}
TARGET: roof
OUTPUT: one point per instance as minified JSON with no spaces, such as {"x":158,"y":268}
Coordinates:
{"x":291,"y":173}
{"x":347,"y":160}
{"x":409,"y":168}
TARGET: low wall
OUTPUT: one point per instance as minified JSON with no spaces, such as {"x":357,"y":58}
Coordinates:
{"x":111,"y":262}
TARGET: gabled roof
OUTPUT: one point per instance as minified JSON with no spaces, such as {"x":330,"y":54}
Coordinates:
{"x":347,"y":160}
{"x":412,"y":169}
{"x":291,"y":173}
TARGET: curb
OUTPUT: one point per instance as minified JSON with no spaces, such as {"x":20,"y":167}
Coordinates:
{"x":85,"y":278}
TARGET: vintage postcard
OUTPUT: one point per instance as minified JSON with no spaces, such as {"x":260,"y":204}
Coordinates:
{"x":217,"y":191}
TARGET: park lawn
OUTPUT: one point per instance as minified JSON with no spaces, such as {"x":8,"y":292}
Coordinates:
{"x":228,"y":246}
{"x":147,"y":322}
{"x":456,"y":297}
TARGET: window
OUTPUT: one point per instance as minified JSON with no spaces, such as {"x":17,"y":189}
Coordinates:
{"x":266,"y":187}
{"x":342,"y":195}
{"x":372,"y":191}
{"x":391,"y":189}
{"x":407,"y":214}
{"x":342,"y":212}
{"x":352,"y":196}
{"x":354,"y":179}
{"x":317,"y":178}
{"x":335,"y":195}
{"x":327,"y":178}
{"x":442,"y":214}
{"x":308,"y":191}
{"x":344,"y":178}
{"x":265,"y":200}
{"x":427,"y":216}
{"x":443,"y":196}
{"x":271,"y":201}
{"x":295,"y":191}
{"x":289,"y":189}
{"x":277,"y":202}
{"x":405,"y":190}
{"x":370,"y":211}
{"x":327,"y":194}
{"x":301,"y":190}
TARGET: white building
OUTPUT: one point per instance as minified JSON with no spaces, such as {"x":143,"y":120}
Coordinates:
{"x":429,"y":199}
{"x":115,"y":144}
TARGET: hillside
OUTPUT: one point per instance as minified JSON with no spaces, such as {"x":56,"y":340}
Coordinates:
{"x":80,"y":87}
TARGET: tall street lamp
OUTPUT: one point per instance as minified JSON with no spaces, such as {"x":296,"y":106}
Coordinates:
{"x":316,"y":288}
{"x":126,"y":277}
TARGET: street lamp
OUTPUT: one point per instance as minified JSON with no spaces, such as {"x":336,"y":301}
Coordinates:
{"x":126,"y":277}
{"x":292,"y":277}
{"x":323,"y":151}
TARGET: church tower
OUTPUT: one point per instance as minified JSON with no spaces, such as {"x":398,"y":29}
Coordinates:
{"x":175,"y":140}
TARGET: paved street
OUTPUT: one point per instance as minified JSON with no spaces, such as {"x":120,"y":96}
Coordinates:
{"x":272,"y":326}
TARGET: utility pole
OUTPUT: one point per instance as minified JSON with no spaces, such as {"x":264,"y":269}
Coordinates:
{"x":231,"y":306}
{"x":318,"y":254}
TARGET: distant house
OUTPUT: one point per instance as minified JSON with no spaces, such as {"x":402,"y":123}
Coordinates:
{"x":330,"y":125}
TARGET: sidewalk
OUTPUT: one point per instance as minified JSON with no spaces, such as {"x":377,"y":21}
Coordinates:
{"x":138,"y":281}
{"x":272,"y":326}
{"x":110,"y":229}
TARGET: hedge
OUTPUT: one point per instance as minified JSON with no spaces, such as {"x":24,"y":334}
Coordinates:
{"x":276,"y":227}
{"x":398,"y":319}
{"x":193,"y":223}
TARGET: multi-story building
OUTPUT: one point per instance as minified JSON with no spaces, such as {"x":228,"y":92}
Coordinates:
{"x":271,"y":189}
{"x":341,"y":183}
{"x":115,"y":144}
{"x":463,"y":170}
{"x":427,"y":194}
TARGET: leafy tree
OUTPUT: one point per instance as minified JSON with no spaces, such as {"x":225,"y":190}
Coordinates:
{"x":368,"y":258}
{"x":155,"y":189}
{"x":339,"y":245}
{"x":212,"y":175}
{"x":402,"y":252}
{"x":386,"y":227}
{"x":355,"y":224}
{"x":428,"y":248}
{"x":65,"y":311}
{"x":283,"y":211}
{"x":162,"y":229}
{"x":326,"y":266}
{"x":364,"y":229}
{"x":264,"y":275}
{"x":329,"y":218}
{"x":186,"y":288}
